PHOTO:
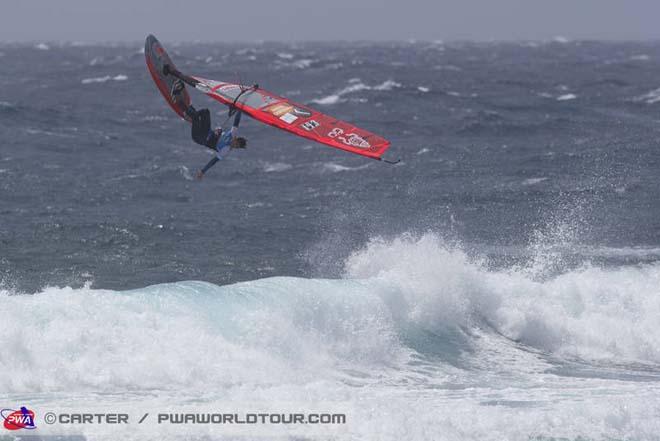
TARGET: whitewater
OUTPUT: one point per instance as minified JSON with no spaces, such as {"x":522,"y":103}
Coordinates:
{"x":414,"y":341}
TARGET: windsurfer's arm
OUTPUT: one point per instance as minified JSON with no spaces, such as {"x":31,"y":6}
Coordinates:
{"x":207,"y":167}
{"x":221,"y":151}
{"x":223,"y":148}
{"x":237,"y":121}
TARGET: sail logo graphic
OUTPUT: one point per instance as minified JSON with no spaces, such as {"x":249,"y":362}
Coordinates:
{"x":352,"y":139}
{"x":18,"y":419}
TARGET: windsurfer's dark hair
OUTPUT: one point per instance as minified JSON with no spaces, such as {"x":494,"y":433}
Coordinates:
{"x":242,"y":142}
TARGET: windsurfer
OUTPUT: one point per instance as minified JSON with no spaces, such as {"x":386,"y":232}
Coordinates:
{"x":222,"y":142}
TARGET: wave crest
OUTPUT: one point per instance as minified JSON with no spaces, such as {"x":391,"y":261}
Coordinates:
{"x":589,"y":313}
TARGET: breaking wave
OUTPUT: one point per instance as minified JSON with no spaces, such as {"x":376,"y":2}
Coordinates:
{"x":422,"y":328}
{"x":589,"y":313}
{"x":72,"y":339}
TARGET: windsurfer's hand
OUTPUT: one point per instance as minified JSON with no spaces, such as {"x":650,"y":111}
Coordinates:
{"x":199,"y":175}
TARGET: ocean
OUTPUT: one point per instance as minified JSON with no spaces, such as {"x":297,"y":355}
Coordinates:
{"x":502,"y":282}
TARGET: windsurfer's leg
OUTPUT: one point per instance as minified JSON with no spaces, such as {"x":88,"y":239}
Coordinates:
{"x":213,"y":138}
{"x":201,"y":120}
{"x":201,"y":126}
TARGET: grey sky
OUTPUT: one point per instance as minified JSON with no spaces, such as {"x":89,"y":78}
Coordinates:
{"x":288,"y":20}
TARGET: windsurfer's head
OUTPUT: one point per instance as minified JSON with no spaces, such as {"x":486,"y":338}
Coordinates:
{"x":239,"y":143}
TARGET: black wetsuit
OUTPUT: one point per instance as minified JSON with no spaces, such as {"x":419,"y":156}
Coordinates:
{"x":216,"y":139}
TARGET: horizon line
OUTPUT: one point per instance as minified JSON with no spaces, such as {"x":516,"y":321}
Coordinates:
{"x":557,"y":39}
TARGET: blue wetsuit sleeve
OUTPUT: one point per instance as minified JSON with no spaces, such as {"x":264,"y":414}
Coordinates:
{"x":210,"y":164}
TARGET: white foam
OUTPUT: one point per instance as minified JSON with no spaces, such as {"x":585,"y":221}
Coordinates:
{"x":355,"y":85}
{"x":561,"y":40}
{"x":255,"y":205}
{"x":33,"y":131}
{"x":285,"y":55}
{"x":104,"y":79}
{"x":387,"y":85}
{"x":186,"y":173}
{"x":160,"y":329}
{"x":96,"y":80}
{"x":42,"y":47}
{"x":276,"y":167}
{"x":589,"y":313}
{"x":650,"y":98}
{"x":335,"y":168}
{"x":302,"y":64}
{"x":640,"y":57}
{"x":327,"y":100}
{"x":566,"y":97}
{"x":534,"y":181}
{"x":423,"y":89}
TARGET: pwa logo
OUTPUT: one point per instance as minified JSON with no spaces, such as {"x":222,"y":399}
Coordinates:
{"x":18,"y":419}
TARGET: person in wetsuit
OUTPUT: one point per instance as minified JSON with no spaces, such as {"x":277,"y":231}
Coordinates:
{"x":222,"y":142}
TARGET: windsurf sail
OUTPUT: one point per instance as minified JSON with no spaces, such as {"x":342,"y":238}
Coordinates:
{"x":295,"y":118}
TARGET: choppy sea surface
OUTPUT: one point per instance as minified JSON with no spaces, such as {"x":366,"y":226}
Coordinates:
{"x":501,"y":283}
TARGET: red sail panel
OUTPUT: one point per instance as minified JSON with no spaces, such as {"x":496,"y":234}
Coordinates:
{"x":296,"y":118}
